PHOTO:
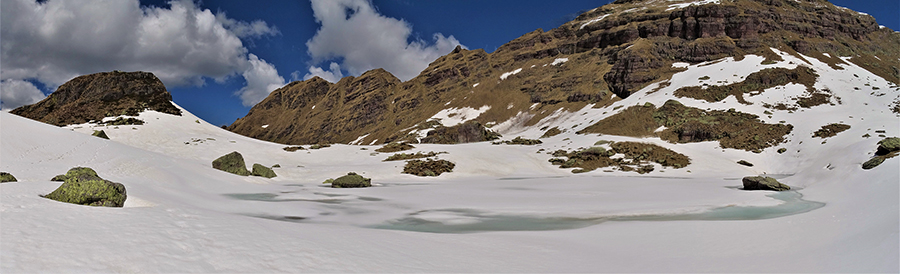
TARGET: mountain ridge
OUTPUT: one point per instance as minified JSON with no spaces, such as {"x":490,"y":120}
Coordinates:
{"x":602,"y":56}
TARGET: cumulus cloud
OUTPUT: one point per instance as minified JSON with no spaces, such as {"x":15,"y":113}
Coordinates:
{"x":353,"y":31}
{"x":55,"y":41}
{"x":333,"y":74}
{"x":15,"y":93}
{"x":262,"y":78}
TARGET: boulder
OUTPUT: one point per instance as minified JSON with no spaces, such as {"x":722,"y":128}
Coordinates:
{"x":351,"y":180}
{"x":82,"y":186}
{"x":888,"y":145}
{"x":763,"y":183}
{"x":6,"y":177}
{"x":874,"y":162}
{"x":262,"y":171}
{"x":232,"y":163}
{"x":101,"y":134}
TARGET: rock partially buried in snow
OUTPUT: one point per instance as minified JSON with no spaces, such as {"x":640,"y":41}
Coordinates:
{"x":101,"y":134}
{"x":232,"y":163}
{"x":82,"y":186}
{"x":888,"y":145}
{"x":763,"y":183}
{"x":6,"y":177}
{"x":262,"y":171}
{"x":351,"y":180}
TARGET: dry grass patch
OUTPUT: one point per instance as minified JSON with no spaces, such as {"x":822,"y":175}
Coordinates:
{"x":394,"y":147}
{"x":830,"y":130}
{"x":428,"y":167}
{"x":636,"y":158}
{"x":757,"y":81}
{"x":686,"y":124}
{"x":407,"y":156}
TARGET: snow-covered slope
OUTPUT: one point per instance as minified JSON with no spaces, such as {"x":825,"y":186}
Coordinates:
{"x":504,"y":208}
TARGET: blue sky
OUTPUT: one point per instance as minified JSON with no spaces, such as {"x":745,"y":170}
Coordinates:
{"x":230,"y":54}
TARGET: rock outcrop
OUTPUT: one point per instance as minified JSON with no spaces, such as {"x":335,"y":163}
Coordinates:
{"x":100,"y":134}
{"x":95,"y":96}
{"x":6,"y":177}
{"x":351,"y":180}
{"x":232,"y":163}
{"x":262,"y":171}
{"x":84,"y":187}
{"x":763,"y":183}
{"x":468,"y":132}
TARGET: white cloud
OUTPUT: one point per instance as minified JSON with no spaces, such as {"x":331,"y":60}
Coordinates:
{"x":262,"y":79}
{"x":15,"y":93}
{"x":55,"y":41}
{"x":332,"y":75}
{"x":255,"y":29}
{"x":353,"y":31}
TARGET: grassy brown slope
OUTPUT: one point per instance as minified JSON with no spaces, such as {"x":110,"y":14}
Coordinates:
{"x":684,"y":124}
{"x":608,"y":59}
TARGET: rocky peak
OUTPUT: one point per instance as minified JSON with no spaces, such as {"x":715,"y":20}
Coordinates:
{"x":99,"y":95}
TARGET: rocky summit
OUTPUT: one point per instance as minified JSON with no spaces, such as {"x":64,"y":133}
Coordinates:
{"x":605,"y":55}
{"x":95,"y":96}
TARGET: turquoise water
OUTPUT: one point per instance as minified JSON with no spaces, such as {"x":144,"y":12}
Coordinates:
{"x":476,"y":221}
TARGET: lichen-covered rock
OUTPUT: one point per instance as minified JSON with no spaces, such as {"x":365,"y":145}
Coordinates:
{"x":6,"y":177}
{"x":101,"y":134}
{"x":351,"y":180}
{"x":763,"y":183}
{"x":232,"y":163}
{"x":82,"y":186}
{"x":874,"y":162}
{"x":262,"y":171}
{"x":888,"y":145}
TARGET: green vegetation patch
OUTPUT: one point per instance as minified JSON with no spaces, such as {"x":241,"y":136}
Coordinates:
{"x":520,"y":141}
{"x":686,"y":124}
{"x":551,"y":132}
{"x":428,"y":167}
{"x":757,"y":81}
{"x":293,"y":148}
{"x":84,"y":187}
{"x":637,"y":156}
{"x":125,"y":121}
{"x":830,"y":130}
{"x":6,"y":177}
{"x":394,"y":147}
{"x":407,"y":156}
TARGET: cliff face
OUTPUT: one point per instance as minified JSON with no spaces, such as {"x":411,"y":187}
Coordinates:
{"x":603,"y":55}
{"x":99,"y":95}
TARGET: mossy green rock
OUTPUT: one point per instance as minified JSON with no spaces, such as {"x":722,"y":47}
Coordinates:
{"x":763,"y":183}
{"x":351,"y":180}
{"x":262,"y":171}
{"x":888,"y":145}
{"x":232,"y":163}
{"x":101,"y":134}
{"x":872,"y":163}
{"x":6,"y":177}
{"x":82,"y":186}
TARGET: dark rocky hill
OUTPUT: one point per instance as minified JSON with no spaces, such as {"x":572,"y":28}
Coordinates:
{"x":99,"y":95}
{"x":602,"y":56}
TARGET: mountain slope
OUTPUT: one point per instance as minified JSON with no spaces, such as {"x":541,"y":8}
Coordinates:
{"x":604,"y":55}
{"x":95,"y":96}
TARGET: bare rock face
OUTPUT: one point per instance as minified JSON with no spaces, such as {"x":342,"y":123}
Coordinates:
{"x":99,"y":95}
{"x":603,"y":55}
